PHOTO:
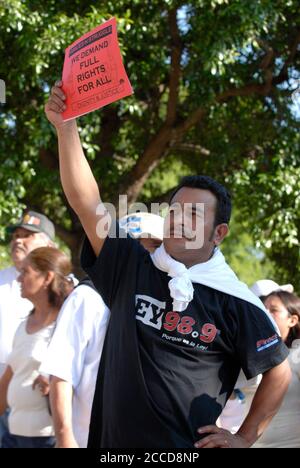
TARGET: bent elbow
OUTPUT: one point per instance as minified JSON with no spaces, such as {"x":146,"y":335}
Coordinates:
{"x":286,"y":374}
{"x":289,"y":374}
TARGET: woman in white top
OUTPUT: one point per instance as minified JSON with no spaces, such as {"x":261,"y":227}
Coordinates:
{"x":44,"y":282}
{"x":284,"y":430}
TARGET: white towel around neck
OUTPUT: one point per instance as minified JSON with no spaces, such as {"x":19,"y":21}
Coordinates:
{"x":215,"y":273}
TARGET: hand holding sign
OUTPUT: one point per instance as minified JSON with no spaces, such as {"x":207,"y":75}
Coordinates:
{"x":94,"y":74}
{"x":56,"y":105}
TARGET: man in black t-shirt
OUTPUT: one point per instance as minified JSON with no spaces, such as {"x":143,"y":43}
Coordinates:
{"x":173,"y":349}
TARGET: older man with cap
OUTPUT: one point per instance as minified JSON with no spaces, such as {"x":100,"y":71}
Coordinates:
{"x":33,"y":230}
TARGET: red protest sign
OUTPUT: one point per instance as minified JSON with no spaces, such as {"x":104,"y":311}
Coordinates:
{"x":93,"y":74}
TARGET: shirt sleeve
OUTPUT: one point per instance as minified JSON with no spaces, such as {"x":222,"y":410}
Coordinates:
{"x":257,"y":342}
{"x":72,"y":335}
{"x":116,"y":263}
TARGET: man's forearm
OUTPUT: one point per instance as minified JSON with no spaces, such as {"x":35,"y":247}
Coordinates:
{"x":77,"y":178}
{"x":61,"y":394}
{"x":266,"y":403}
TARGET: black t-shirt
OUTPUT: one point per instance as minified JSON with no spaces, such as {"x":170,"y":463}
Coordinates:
{"x":164,"y":374}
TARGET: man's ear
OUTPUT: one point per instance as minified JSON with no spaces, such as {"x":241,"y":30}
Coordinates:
{"x":221,"y":231}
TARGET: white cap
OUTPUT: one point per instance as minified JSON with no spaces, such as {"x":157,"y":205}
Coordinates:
{"x":143,"y":225}
{"x":266,"y":287}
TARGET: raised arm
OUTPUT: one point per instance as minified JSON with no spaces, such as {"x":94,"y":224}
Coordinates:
{"x":78,"y":181}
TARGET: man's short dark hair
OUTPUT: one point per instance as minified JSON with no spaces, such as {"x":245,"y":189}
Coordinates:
{"x":224,"y":205}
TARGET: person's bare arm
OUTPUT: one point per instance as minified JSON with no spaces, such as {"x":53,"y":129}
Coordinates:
{"x":266,"y":403}
{"x":77,"y":179}
{"x":61,"y":394}
{"x":4,"y":383}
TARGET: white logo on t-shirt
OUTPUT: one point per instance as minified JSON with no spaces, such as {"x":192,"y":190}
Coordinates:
{"x":149,"y":311}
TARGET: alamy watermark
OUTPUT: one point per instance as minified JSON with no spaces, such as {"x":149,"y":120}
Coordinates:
{"x":2,"y":92}
{"x":182,"y":222}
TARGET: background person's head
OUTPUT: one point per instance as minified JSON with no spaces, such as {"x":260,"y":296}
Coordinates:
{"x":44,"y":277}
{"x":263,"y":288}
{"x":34,"y":230}
{"x":207,"y":207}
{"x":147,"y":228}
{"x":285,"y":309}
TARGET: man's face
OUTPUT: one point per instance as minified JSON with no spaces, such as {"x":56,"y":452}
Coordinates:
{"x":23,"y":242}
{"x":194,"y":226}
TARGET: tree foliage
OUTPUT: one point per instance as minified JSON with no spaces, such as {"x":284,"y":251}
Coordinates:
{"x":213,"y":82}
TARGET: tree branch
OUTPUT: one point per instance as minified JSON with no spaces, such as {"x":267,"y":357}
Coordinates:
{"x":268,"y":57}
{"x":170,"y":135}
{"x":163,"y":198}
{"x":70,"y":238}
{"x":283,"y":75}
{"x":181,"y":129}
{"x":110,"y":125}
{"x":191,"y":148}
{"x":49,"y":159}
{"x":147,"y":162}
{"x":157,"y":147}
{"x":175,"y":71}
